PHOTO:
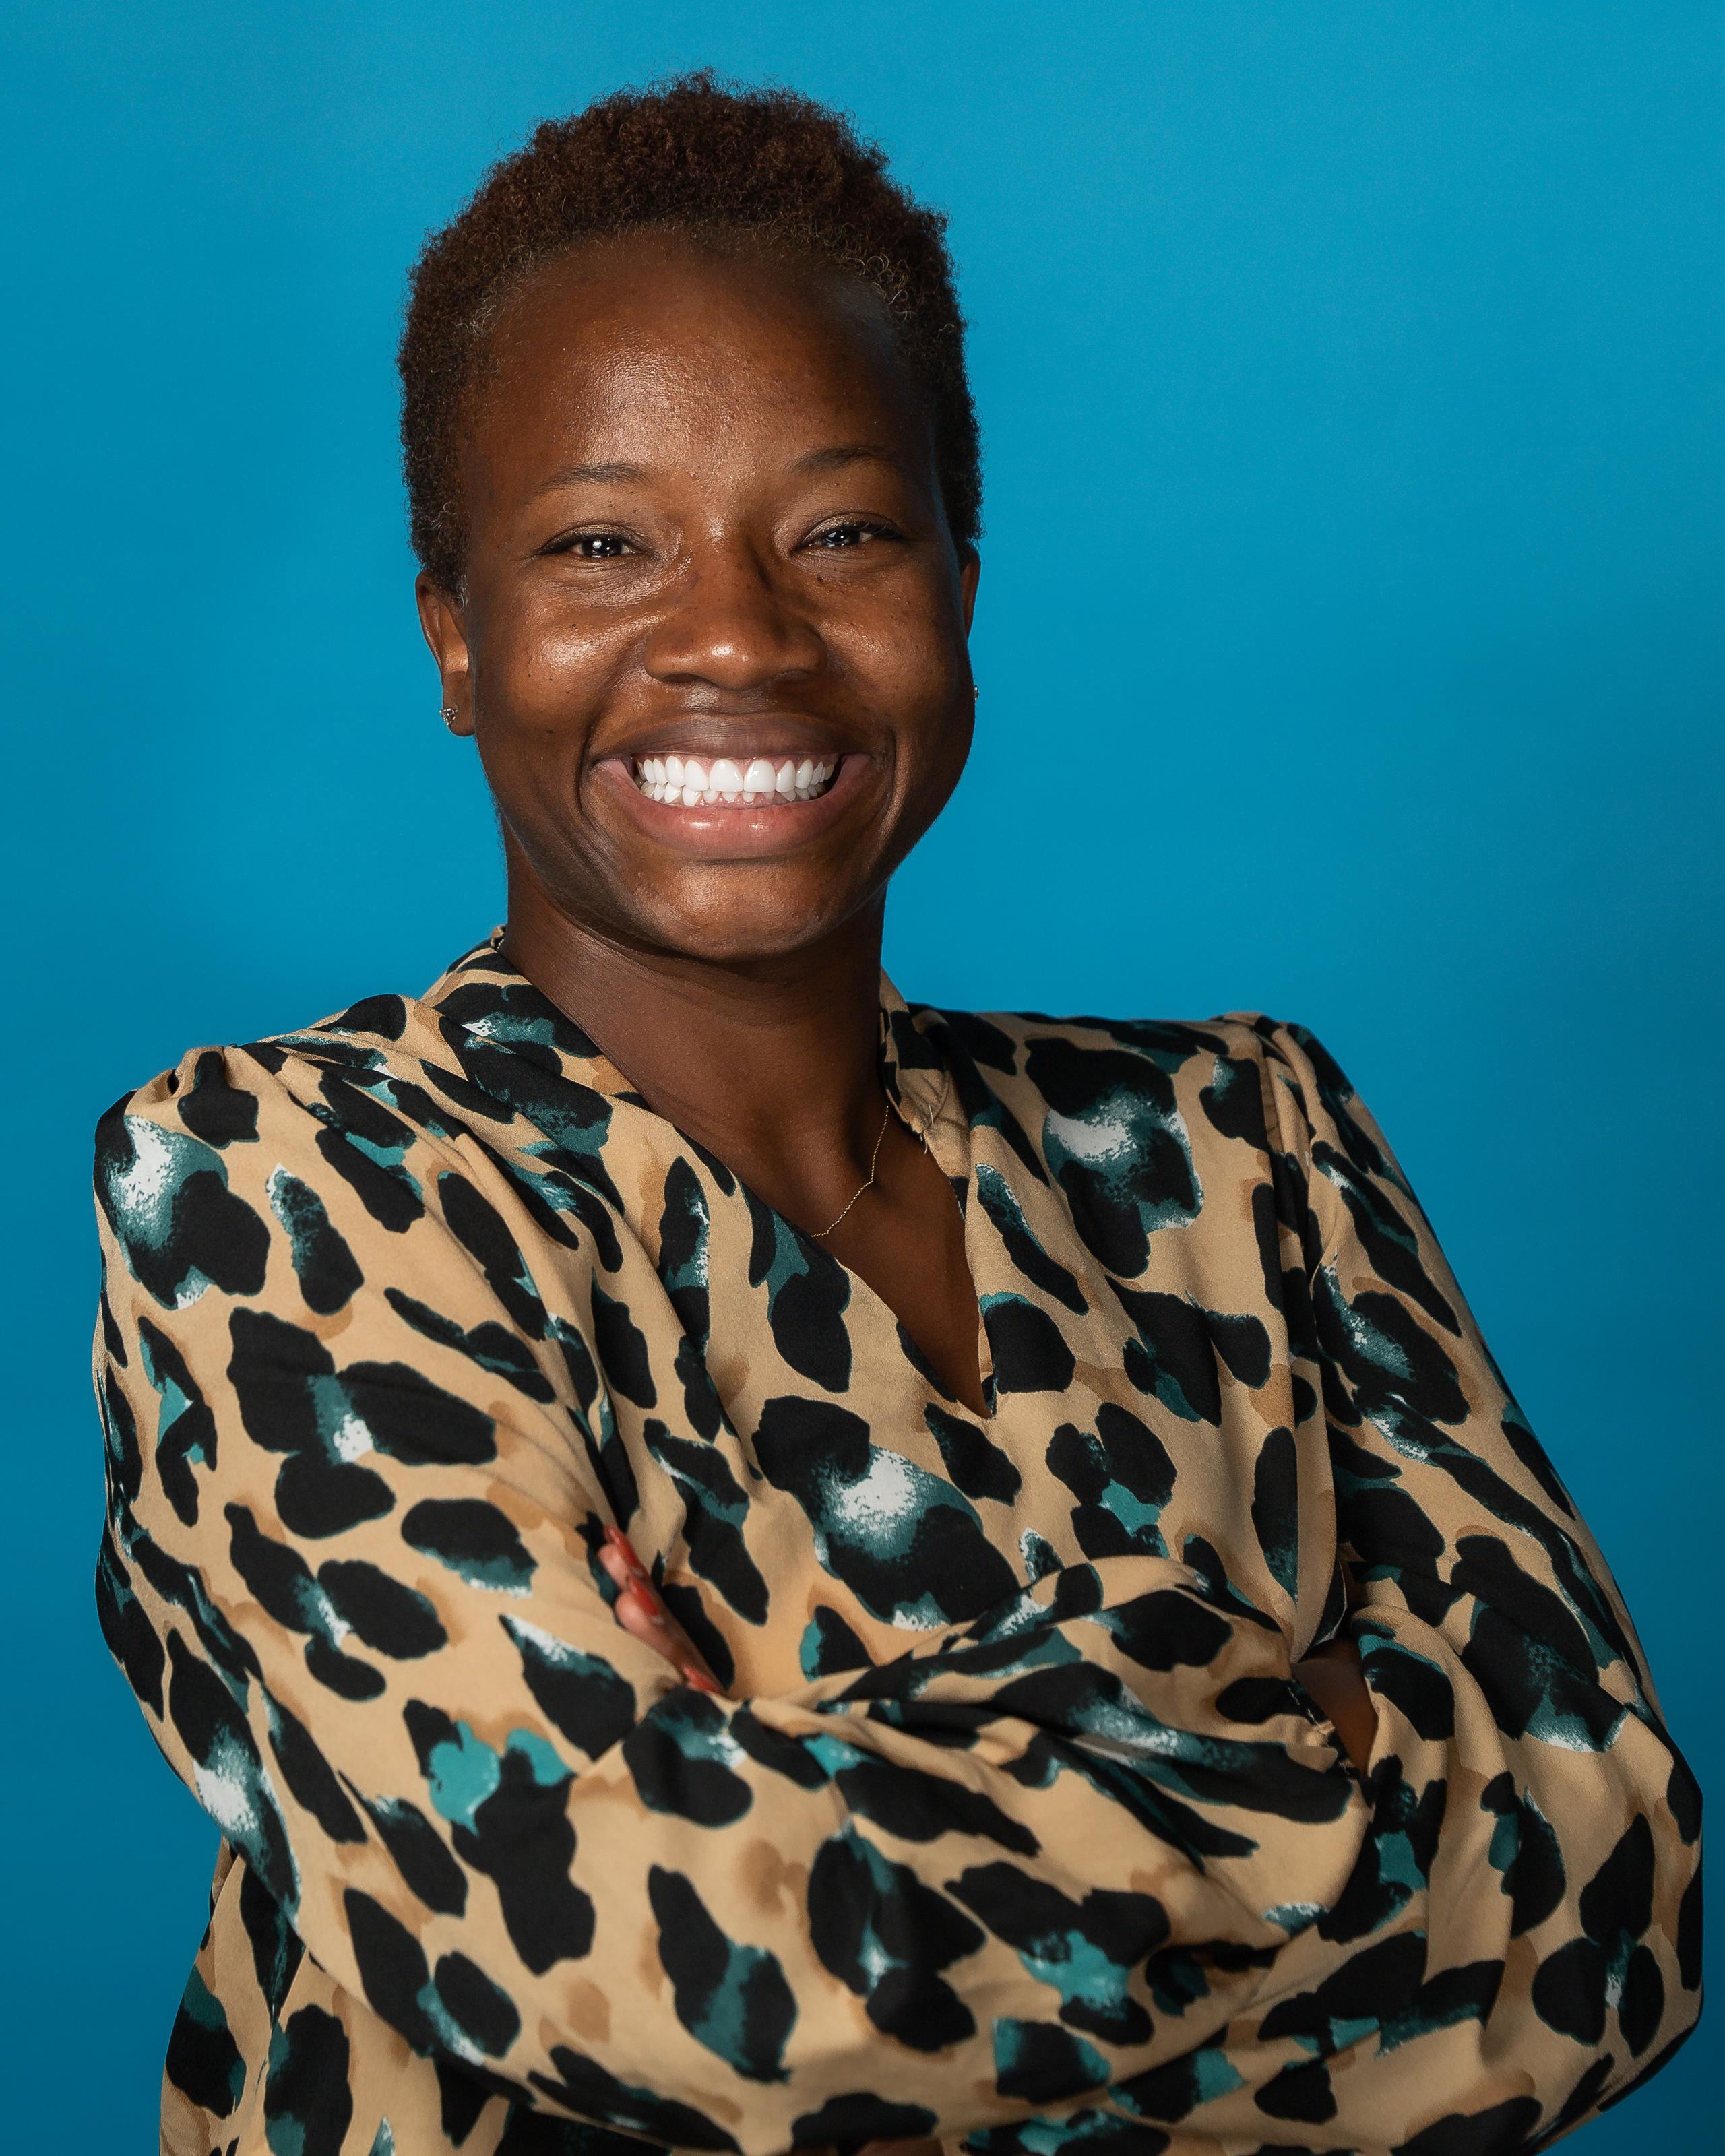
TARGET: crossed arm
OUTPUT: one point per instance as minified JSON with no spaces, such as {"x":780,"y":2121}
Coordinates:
{"x":1091,"y":1858}
{"x":1332,"y":1674}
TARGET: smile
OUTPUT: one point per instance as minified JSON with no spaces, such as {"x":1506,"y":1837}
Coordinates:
{"x":725,"y":784}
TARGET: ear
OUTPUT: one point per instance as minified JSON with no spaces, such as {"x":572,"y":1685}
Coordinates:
{"x":441,"y":625}
{"x":970,"y":570}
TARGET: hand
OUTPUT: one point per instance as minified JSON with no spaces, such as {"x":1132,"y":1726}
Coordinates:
{"x":638,"y":1610}
{"x":1332,"y":1674}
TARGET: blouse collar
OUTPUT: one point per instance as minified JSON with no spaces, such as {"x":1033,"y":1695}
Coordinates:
{"x":482,"y":994}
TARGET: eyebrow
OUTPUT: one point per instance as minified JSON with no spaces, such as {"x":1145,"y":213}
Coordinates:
{"x":574,"y":474}
{"x":834,"y":459}
{"x":846,"y":453}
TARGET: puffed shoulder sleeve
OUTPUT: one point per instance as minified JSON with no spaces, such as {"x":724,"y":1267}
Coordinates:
{"x":1528,"y":1901}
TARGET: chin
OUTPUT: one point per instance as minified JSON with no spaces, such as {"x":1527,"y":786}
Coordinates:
{"x":742,"y":936}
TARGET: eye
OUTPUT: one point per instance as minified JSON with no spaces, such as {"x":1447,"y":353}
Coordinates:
{"x":591,"y":545}
{"x":853,"y":532}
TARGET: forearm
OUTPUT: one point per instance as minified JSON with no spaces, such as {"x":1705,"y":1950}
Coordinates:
{"x":875,"y":1904}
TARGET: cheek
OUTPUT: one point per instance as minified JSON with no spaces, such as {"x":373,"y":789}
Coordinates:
{"x":909,"y":662}
{"x":947,"y":753}
{"x":923,"y":673}
{"x":536,"y":704}
{"x":536,"y":666}
{"x":920,"y":637}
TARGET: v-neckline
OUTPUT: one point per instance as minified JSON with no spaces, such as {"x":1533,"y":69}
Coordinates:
{"x":918,"y":1083}
{"x":856,"y":1284}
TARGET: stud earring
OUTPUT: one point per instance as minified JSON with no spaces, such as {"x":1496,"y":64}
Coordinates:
{"x":448,"y":715}
{"x":975,"y":695}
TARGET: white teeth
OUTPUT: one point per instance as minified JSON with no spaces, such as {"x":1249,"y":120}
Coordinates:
{"x":726,"y":783}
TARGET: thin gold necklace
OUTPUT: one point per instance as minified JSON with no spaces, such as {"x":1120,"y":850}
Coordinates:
{"x":868,"y":1182}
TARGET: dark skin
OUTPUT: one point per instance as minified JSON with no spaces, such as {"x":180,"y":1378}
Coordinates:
{"x":703,"y":518}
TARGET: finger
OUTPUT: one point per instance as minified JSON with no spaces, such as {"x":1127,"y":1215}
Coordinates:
{"x":634,"y":1586}
{"x":642,"y":1613}
{"x":651,"y":1626}
{"x":644,"y":1601}
{"x":615,"y":1539}
{"x":636,"y":1615}
{"x":648,"y":1620}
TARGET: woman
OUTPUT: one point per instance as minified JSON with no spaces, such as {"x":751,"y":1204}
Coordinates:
{"x":691,"y":1635}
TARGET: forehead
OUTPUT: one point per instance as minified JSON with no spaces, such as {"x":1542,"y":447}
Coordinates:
{"x":656,"y":337}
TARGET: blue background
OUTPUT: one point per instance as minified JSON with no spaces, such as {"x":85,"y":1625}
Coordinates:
{"x":1350,"y":644}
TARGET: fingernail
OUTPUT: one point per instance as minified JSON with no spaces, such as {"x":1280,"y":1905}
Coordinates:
{"x":699,"y":1680}
{"x":627,"y":1550}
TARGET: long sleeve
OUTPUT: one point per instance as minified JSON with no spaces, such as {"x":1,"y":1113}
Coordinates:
{"x":1085,"y":1865}
{"x":1520,"y":1937}
{"x":1518,"y":1940}
{"x":358,"y":1467}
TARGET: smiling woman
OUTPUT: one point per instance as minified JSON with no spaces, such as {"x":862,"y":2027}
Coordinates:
{"x":746,"y":1565}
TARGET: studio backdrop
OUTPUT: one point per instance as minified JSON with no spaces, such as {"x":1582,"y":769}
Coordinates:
{"x":1350,"y":648}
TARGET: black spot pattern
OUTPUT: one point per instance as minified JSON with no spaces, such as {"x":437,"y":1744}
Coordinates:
{"x":306,"y":2103}
{"x":1014,"y":1830}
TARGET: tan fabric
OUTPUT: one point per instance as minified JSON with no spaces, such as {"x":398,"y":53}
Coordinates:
{"x":1018,"y":1830}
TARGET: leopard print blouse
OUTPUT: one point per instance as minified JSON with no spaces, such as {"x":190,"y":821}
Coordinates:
{"x":1015,"y":1830}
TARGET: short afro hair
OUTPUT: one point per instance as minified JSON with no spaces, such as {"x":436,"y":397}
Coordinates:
{"x":688,"y":155}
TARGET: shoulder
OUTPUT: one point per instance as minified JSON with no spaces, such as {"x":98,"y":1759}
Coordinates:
{"x":1244,"y":1074}
{"x":221,"y":1094}
{"x":191,"y":1166}
{"x":1110,"y":1052}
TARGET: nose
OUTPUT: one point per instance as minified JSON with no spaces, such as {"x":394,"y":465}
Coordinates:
{"x":732,"y":625}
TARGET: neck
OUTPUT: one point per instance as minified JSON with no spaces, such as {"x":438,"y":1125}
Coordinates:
{"x":771,"y":1064}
